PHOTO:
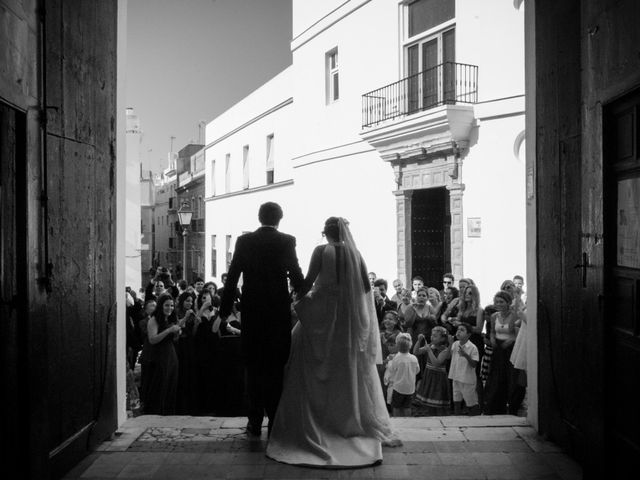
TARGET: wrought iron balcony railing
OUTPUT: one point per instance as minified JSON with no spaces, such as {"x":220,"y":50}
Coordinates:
{"x":445,"y":84}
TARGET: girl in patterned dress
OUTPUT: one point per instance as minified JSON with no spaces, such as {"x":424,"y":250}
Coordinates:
{"x":433,"y":388}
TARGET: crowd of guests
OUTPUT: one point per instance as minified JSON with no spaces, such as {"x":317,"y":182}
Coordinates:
{"x":444,"y":353}
{"x":189,"y":358}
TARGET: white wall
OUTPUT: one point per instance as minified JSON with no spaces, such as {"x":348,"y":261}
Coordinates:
{"x":494,"y":180}
{"x":490,"y":34}
{"x":133,"y":264}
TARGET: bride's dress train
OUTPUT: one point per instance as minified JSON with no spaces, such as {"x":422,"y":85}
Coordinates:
{"x":332,"y":411}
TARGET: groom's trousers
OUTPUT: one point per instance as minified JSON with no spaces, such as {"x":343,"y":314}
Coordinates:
{"x":264,"y":387}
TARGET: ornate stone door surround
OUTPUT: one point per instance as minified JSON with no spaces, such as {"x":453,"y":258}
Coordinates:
{"x":426,"y":150}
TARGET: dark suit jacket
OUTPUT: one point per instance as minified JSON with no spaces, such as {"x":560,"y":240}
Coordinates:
{"x":265,"y":258}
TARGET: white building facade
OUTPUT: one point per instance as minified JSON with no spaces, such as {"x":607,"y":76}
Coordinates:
{"x":405,"y":117}
{"x":133,"y":229}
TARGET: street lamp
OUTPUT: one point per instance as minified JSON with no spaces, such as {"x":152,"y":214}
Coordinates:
{"x":184,"y":217}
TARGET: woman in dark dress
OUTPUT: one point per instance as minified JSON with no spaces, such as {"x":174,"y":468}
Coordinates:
{"x":207,"y":345}
{"x":188,"y":381}
{"x":160,"y":362}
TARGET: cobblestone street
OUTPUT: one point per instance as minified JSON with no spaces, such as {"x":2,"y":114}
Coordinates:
{"x":442,"y":448}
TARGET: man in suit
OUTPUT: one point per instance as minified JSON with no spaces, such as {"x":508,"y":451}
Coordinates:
{"x":382,"y":302}
{"x":265,"y":258}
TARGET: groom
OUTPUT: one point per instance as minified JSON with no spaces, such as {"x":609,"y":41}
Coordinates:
{"x":265,"y":258}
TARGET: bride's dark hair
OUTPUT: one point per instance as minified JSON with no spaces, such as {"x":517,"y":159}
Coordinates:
{"x":331,"y":228}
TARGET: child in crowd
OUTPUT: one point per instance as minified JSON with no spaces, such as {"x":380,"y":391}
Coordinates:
{"x":404,"y":305}
{"x":433,"y":388}
{"x":400,"y":377}
{"x":464,"y":358}
{"x":391,"y":326}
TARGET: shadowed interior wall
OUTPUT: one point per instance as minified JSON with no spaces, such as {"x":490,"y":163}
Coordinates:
{"x":59,"y":68}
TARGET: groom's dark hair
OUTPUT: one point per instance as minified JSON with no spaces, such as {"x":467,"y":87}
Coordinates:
{"x":270,"y":213}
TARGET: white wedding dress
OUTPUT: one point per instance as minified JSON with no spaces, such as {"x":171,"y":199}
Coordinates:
{"x":332,"y":411}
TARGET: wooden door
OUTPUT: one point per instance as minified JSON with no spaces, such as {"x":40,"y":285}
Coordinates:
{"x":622,"y":278}
{"x":13,"y":321}
{"x":430,"y":235}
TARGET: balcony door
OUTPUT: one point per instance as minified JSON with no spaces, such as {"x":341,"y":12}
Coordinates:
{"x":431,"y":71}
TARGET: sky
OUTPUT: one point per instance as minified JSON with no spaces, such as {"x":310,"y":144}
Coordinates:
{"x":190,"y":60}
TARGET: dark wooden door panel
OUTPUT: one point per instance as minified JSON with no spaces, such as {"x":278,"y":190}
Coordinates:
{"x":622,"y":277}
{"x":430,"y":235}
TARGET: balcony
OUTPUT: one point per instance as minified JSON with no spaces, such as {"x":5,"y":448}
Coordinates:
{"x":424,"y":116}
{"x":445,"y":84}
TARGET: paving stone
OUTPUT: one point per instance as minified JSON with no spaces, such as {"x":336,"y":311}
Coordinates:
{"x":102,"y":470}
{"x":140,"y":470}
{"x":182,"y":458}
{"x":423,"y":459}
{"x":293,"y":472}
{"x":491,"y":458}
{"x":502,"y":472}
{"x":467,"y":472}
{"x":244,"y":471}
{"x":355,"y":474}
{"x":450,"y":447}
{"x":391,"y":471}
{"x":484,"y":421}
{"x":412,"y":447}
{"x":430,"y":434}
{"x":81,"y":466}
{"x":498,"y":446}
{"x":535,"y":441}
{"x":456,"y":459}
{"x":490,"y":433}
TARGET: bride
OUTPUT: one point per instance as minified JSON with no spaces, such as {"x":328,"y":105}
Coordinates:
{"x":332,"y":411}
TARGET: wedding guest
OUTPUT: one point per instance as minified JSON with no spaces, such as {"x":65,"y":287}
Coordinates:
{"x":188,"y":380}
{"x":471,"y":314}
{"x":420,"y":318}
{"x":462,"y":372}
{"x":160,"y":362}
{"x":372,"y":278}
{"x":400,"y":376}
{"x":449,"y":310}
{"x":223,"y":279}
{"x":447,"y":281}
{"x":382,"y":302}
{"x":433,"y":390}
{"x":157,"y":291}
{"x":398,"y":287}
{"x":207,"y":344}
{"x":501,"y":392}
{"x":417,"y":282}
{"x":433,"y":297}
{"x":405,"y":303}
{"x":518,"y":281}
{"x":198,"y":285}
{"x":464,"y":283}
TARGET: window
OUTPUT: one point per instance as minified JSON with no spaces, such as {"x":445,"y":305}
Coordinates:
{"x":171,"y":203}
{"x":332,"y":80}
{"x":214,"y":255}
{"x":200,"y":207}
{"x":429,"y":54}
{"x":227,"y":173}
{"x":245,"y":167}
{"x":270,"y":156}
{"x":427,"y":14}
{"x":213,"y":177}
{"x":228,"y":252}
